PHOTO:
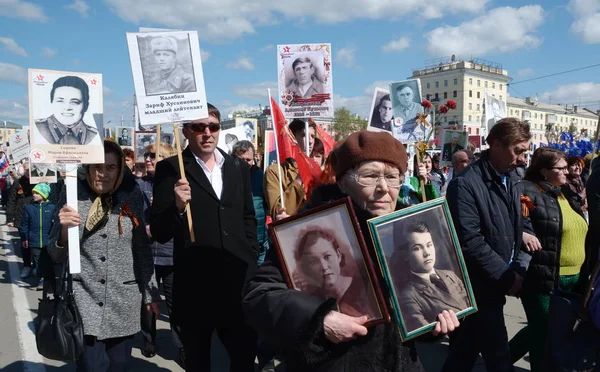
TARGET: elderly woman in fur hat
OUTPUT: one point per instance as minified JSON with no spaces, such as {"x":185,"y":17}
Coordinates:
{"x":369,"y":167}
{"x":117,"y":269}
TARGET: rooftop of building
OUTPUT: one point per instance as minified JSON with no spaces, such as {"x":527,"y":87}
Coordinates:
{"x":9,"y":125}
{"x":453,"y":63}
{"x":532,"y":104}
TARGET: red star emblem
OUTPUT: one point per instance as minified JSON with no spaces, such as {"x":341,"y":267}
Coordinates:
{"x":93,"y":81}
{"x":37,"y":154}
{"x":17,"y":138}
{"x":286,"y":49}
{"x":40,"y":77}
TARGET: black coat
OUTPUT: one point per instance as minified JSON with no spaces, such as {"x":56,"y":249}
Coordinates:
{"x":545,"y":222}
{"x":592,"y":191}
{"x":293,"y":320}
{"x":489,"y":225}
{"x":19,"y":196}
{"x":226,"y":249}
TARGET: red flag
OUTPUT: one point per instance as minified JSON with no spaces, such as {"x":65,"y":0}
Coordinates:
{"x":328,"y":141}
{"x":288,"y":148}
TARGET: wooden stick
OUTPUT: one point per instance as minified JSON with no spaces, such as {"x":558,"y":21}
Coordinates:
{"x":420,"y":179}
{"x":157,"y":146}
{"x":182,"y":171}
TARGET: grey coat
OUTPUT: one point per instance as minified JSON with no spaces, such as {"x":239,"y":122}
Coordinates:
{"x":117,"y":271}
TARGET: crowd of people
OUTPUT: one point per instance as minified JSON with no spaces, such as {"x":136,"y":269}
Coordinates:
{"x":521,"y":235}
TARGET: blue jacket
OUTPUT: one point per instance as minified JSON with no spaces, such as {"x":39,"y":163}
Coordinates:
{"x":162,"y":253}
{"x":36,"y":223}
{"x":256,"y":180}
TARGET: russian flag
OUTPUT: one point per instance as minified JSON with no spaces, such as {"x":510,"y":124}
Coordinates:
{"x":4,"y":164}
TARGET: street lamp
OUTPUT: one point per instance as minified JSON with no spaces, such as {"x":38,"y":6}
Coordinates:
{"x":124,"y":111}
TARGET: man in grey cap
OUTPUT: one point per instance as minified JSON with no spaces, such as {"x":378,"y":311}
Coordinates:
{"x":171,"y":78}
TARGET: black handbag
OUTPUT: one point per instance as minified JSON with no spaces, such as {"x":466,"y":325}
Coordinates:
{"x":573,"y":342}
{"x":58,"y":326}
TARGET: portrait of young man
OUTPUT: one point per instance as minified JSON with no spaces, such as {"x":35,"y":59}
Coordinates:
{"x":216,"y":190}
{"x":304,"y":83}
{"x":169,"y":77}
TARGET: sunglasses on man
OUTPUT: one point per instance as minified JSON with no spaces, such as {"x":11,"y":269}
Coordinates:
{"x":201,"y":127}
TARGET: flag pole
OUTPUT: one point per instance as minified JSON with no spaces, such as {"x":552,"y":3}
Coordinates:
{"x":276,"y":150}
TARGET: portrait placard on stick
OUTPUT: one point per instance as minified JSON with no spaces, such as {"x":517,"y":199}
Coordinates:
{"x":65,"y":114}
{"x":406,"y":101}
{"x":41,"y":173}
{"x":495,"y":109}
{"x":250,"y":129}
{"x":305,"y":80}
{"x":454,"y":140}
{"x":167,"y":74}
{"x":124,"y":136}
{"x":382,"y":113}
{"x":18,"y":146}
{"x":143,"y":139}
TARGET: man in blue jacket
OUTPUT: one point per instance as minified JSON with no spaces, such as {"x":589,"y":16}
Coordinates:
{"x":485,"y":204}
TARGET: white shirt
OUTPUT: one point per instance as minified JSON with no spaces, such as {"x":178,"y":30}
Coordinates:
{"x":215,"y":177}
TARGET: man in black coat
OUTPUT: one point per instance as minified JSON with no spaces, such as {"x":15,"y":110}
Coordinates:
{"x":485,"y":204}
{"x":210,"y":271}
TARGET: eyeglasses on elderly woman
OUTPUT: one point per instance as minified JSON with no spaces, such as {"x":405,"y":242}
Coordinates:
{"x":372,"y":179}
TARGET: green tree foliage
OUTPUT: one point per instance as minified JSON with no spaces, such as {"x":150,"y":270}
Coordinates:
{"x":345,"y":122}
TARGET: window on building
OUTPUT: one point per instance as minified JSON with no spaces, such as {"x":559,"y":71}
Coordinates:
{"x":478,"y":83}
{"x":470,"y":106}
{"x":478,"y":119}
{"x":477,"y":131}
{"x":517,"y":112}
{"x":436,"y":96}
{"x":470,"y":81}
{"x":428,"y":85}
{"x":455,"y":81}
{"x":470,"y":93}
{"x":478,"y":94}
{"x":445,"y":95}
{"x":501,"y":97}
{"x":470,"y":117}
{"x":493,"y":95}
{"x":455,"y":94}
{"x":445,"y":83}
{"x":478,"y":107}
{"x":486,"y":84}
{"x":500,"y":86}
{"x":470,"y":132}
{"x":493,"y":85}
{"x":535,"y":115}
{"x":428,"y":97}
{"x":437,"y":84}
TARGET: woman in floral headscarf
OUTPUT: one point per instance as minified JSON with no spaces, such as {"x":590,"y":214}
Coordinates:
{"x":117,"y":270}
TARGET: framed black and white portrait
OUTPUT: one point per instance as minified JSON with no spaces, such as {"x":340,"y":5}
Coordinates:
{"x":229,"y":137}
{"x":323,"y":254}
{"x":42,"y":173}
{"x":422,"y":263}
{"x":250,"y":126}
{"x":382,"y":112}
{"x":495,"y":109}
{"x":166,"y":138}
{"x":406,"y":101}
{"x":305,"y":80}
{"x":143,"y":139}
{"x":167,"y":75}
{"x":453,"y":141}
{"x":125,"y":136}
{"x":65,"y":117}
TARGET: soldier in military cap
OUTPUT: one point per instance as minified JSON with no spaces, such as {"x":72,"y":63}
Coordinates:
{"x":170,"y":78}
{"x":70,"y":98}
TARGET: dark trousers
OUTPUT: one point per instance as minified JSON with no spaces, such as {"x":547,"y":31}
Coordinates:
{"x":112,"y":355}
{"x":163,"y":274}
{"x":26,"y":255}
{"x":483,"y":332}
{"x":238,"y":338}
{"x":36,"y":254}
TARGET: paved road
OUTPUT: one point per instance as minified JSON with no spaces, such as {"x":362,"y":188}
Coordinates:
{"x":18,"y":308}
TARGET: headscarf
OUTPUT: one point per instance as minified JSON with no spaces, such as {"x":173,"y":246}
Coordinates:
{"x":103,"y":203}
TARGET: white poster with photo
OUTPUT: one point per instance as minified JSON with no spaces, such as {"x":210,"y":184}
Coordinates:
{"x":18,"y":146}
{"x":168,"y":77}
{"x":495,"y":109}
{"x":42,"y":173}
{"x":453,"y":141}
{"x":65,"y":115}
{"x":250,"y":128}
{"x":382,"y":113}
{"x":229,"y":137}
{"x":125,"y":136}
{"x":406,"y":102}
{"x":305,"y":80}
{"x":143,"y":139}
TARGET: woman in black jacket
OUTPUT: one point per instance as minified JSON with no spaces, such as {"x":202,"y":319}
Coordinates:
{"x":369,"y":168}
{"x":556,"y":218}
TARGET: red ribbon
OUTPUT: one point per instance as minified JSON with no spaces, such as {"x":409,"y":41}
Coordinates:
{"x":315,"y":98}
{"x":125,"y":210}
{"x":526,"y":205}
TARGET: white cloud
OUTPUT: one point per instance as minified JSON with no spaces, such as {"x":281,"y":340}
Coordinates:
{"x":574,"y":93}
{"x":243,"y":63}
{"x":346,"y":56}
{"x":525,"y":72}
{"x":106,"y":90}
{"x":12,"y":46}
{"x":383,"y":84}
{"x":10,"y":73}
{"x":256,"y":92}
{"x":49,"y":52}
{"x":22,"y":10}
{"x":396,"y":45}
{"x":267,"y":47}
{"x":500,"y":30}
{"x":205,"y":55}
{"x":587,"y":19}
{"x":218,"y":21}
{"x":13,"y":110}
{"x":80,"y":7}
